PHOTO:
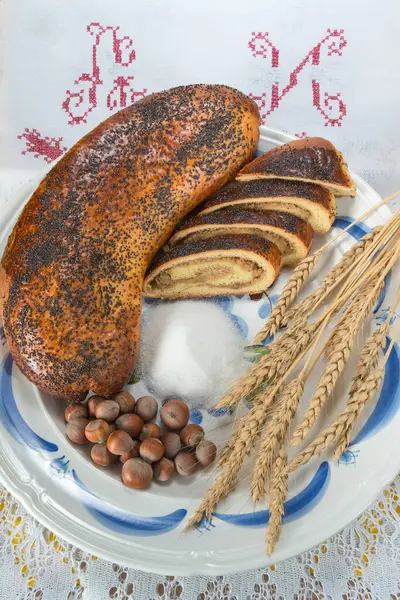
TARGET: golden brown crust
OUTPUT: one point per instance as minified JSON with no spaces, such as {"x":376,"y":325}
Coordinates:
{"x":309,"y":201}
{"x":76,"y":259}
{"x":292,"y":235}
{"x":313,"y":160}
{"x":261,"y":253}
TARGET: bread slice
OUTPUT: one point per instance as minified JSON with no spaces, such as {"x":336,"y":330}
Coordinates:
{"x":292,"y":235}
{"x":217,"y":267}
{"x":311,"y":159}
{"x":312,"y":203}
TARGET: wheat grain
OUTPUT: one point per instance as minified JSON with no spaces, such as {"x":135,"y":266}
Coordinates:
{"x":274,"y":434}
{"x":278,"y":490}
{"x":246,"y":435}
{"x":339,"y":354}
{"x":335,"y":275}
{"x":362,"y":304}
{"x":360,"y":397}
{"x":343,"y":421}
{"x":281,"y":354}
{"x":246,"y":425}
{"x":289,"y":293}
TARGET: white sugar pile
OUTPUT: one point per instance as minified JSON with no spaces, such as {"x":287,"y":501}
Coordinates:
{"x":190,"y":350}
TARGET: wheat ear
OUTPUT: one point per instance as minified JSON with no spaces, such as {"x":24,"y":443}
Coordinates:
{"x":359,"y":399}
{"x":289,"y":293}
{"x":349,"y":415}
{"x":274,"y":434}
{"x":282,"y":352}
{"x":333,"y":278}
{"x":246,"y":435}
{"x":338,"y":358}
{"x":278,"y":490}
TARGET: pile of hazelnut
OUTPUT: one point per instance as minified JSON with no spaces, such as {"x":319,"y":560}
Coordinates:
{"x":122,"y":428}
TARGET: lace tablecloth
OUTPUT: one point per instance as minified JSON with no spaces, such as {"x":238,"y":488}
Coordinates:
{"x":314,"y":69}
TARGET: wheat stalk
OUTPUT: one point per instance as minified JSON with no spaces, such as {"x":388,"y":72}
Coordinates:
{"x":359,"y":399}
{"x":281,"y":354}
{"x":333,"y":278}
{"x":289,"y":293}
{"x":362,"y":304}
{"x":245,"y":437}
{"x":278,"y":490}
{"x":338,"y":357}
{"x":274,"y":434}
{"x":343,"y":421}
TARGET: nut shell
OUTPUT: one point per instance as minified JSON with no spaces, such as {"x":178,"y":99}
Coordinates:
{"x":174,"y":414}
{"x":75,"y":430}
{"x":97,"y":431}
{"x":172,"y":444}
{"x":101,"y":456}
{"x":134,"y":453}
{"x":119,"y":442}
{"x":163,"y":469}
{"x":151,"y":449}
{"x":108,"y":410}
{"x":92,"y":403}
{"x":206,"y":452}
{"x":192,"y":435}
{"x":185,"y":463}
{"x":137,"y":474}
{"x":126,"y":402}
{"x":150,"y":430}
{"x":147,"y":408}
{"x":130,"y":423}
{"x":76,"y":410}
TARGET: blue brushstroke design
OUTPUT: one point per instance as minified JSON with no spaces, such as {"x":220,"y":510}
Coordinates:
{"x":358,"y":231}
{"x":123,"y":522}
{"x":195,"y":416}
{"x":12,"y":418}
{"x":240,"y":325}
{"x":296,"y":507}
{"x":389,"y":400}
{"x":60,"y":466}
{"x":219,"y":412}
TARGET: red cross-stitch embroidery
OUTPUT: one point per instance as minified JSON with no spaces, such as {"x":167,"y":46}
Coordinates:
{"x":78,"y":104}
{"x":332,"y":108}
{"x":48,"y":148}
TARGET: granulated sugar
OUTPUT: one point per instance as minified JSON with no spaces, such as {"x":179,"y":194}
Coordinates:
{"x":190,"y":350}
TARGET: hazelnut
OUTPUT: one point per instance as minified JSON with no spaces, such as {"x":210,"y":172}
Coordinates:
{"x":172,"y":444}
{"x":101,"y":456}
{"x":75,"y":410}
{"x":206,"y":452}
{"x":119,"y":442}
{"x":107,"y":410}
{"x":112,"y":427}
{"x":76,"y":430}
{"x":134,"y":453}
{"x":97,"y":431}
{"x":151,"y":449}
{"x":192,"y":435}
{"x":185,"y":463}
{"x":92,"y":403}
{"x":130,"y":423}
{"x":174,"y":414}
{"x":163,"y":469}
{"x":146,"y":407}
{"x":137,"y":474}
{"x":150,"y":430}
{"x":126,"y":402}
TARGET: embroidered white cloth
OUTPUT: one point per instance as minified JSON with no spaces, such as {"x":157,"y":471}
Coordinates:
{"x":314,"y":69}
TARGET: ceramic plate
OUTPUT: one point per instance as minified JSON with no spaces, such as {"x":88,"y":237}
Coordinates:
{"x":91,"y":508}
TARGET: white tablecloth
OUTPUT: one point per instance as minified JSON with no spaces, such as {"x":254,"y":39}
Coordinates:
{"x":314,"y":68}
